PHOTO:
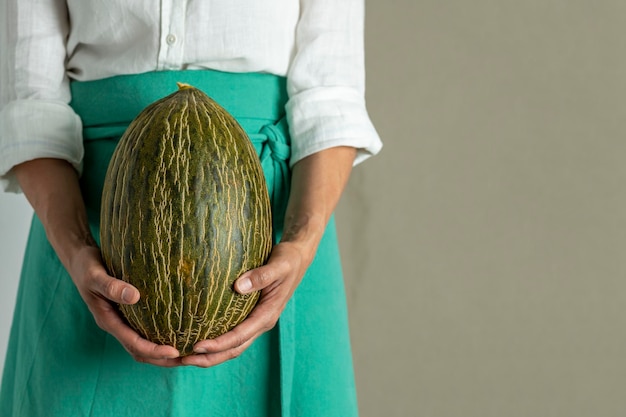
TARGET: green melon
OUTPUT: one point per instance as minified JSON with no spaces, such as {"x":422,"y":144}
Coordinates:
{"x":185,"y":211}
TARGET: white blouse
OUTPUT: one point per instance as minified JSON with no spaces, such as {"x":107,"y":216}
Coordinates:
{"x":317,"y":44}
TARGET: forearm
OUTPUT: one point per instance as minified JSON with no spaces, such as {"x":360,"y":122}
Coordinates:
{"x":51,"y":186}
{"x":316,"y":187}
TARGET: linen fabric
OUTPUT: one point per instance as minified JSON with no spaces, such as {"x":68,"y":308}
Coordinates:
{"x":317,"y":44}
{"x":60,"y":364}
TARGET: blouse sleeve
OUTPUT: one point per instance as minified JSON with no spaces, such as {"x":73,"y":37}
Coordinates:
{"x":35,"y":118}
{"x":326,"y":81}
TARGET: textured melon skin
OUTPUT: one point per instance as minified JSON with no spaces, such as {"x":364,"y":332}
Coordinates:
{"x":185,"y":211}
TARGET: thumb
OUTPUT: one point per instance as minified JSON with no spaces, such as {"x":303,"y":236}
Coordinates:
{"x":254,"y":280}
{"x":118,"y":291}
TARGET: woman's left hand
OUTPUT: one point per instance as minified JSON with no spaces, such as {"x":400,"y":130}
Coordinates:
{"x":277,"y":280}
{"x":317,"y":182}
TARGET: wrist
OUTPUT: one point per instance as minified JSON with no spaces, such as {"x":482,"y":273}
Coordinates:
{"x":69,"y":240}
{"x":304,"y":233}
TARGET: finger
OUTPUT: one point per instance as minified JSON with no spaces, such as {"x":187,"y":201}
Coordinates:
{"x":260,"y":278}
{"x":212,"y":359}
{"x":140,"y":347}
{"x":165,"y":363}
{"x":254,"y":280}
{"x":116,"y":290}
{"x":259,"y":321}
{"x":232,"y":344}
{"x":110,"y":321}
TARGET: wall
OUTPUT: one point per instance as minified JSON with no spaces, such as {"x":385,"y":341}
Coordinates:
{"x":15,"y":216}
{"x":485,"y":245}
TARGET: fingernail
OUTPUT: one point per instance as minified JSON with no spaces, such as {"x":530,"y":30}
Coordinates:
{"x":200,"y":350}
{"x":127,"y":295}
{"x":244,"y":284}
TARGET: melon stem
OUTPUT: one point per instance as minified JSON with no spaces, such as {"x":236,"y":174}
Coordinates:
{"x":183,"y":86}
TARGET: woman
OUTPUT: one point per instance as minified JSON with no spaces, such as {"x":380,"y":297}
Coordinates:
{"x":74,"y":73}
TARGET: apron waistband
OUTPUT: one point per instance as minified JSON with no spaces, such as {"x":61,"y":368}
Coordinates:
{"x":108,"y":105}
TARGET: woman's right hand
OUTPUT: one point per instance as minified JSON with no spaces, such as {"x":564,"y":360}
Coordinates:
{"x":51,"y":186}
{"x":99,"y":291}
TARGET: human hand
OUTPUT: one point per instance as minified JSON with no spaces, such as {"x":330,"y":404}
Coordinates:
{"x":52,"y":188}
{"x":277,"y":280}
{"x":99,"y":290}
{"x":316,"y":185}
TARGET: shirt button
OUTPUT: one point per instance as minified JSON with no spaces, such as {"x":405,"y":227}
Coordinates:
{"x":170,"y":39}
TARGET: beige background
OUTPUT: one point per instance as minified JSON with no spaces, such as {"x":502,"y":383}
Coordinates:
{"x":484,"y":247}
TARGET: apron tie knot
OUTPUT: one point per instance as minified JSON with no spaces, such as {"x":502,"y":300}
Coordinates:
{"x":273,"y":147}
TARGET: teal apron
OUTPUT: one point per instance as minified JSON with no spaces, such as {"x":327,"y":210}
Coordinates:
{"x":59,"y":363}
